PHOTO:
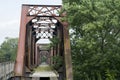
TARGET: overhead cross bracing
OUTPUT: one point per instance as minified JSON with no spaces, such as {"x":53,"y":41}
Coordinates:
{"x":44,"y":27}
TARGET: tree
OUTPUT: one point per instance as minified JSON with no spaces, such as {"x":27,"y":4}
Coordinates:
{"x":95,"y":38}
{"x":8,"y":49}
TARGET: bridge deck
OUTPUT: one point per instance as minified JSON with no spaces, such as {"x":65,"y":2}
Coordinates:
{"x":44,"y":70}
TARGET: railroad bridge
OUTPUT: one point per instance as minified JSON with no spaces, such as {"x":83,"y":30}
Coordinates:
{"x":44,"y":44}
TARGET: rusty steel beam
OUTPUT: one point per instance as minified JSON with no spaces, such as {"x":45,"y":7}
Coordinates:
{"x":19,"y":64}
{"x":49,"y":57}
{"x":29,"y":46}
{"x":59,"y":34}
{"x":33,"y":51}
{"x":42,"y":5}
{"x":67,"y":52}
{"x":19,"y":68}
{"x":41,"y":10}
{"x":36,"y":55}
{"x":51,"y":52}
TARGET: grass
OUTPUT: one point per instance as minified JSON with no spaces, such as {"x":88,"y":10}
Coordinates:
{"x":43,"y":68}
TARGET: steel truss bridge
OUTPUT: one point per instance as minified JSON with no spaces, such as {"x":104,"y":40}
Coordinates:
{"x":43,"y":22}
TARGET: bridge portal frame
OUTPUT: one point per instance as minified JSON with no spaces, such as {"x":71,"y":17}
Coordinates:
{"x":28,"y":13}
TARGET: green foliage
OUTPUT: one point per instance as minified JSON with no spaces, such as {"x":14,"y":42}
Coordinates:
{"x":110,"y":75}
{"x":43,"y":68}
{"x":8,"y":49}
{"x":95,"y":38}
{"x":58,"y":61}
{"x":44,"y":58}
{"x":54,"y":41}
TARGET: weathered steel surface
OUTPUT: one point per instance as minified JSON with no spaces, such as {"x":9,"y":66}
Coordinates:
{"x":44,"y":10}
{"x":29,"y":43}
{"x":67,"y":52}
{"x":20,"y":60}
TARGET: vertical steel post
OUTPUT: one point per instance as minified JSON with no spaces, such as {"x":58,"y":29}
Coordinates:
{"x":29,"y":45}
{"x":36,"y":55}
{"x":33,"y":48}
{"x":59,"y":34}
{"x":67,"y":52}
{"x":19,"y":64}
{"x":51,"y":55}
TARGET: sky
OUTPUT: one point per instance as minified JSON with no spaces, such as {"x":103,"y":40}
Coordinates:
{"x":10,"y":13}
